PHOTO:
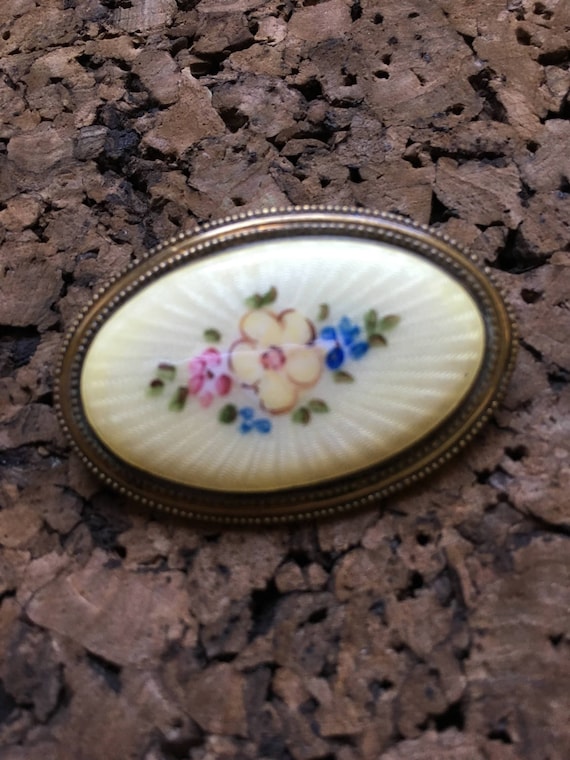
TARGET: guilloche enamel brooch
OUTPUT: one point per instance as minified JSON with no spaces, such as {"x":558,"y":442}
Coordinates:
{"x":284,"y":365}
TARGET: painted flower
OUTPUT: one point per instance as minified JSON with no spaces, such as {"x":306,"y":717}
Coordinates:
{"x":276,"y":356}
{"x":342,"y":342}
{"x":208,"y":376}
{"x":249,"y":421}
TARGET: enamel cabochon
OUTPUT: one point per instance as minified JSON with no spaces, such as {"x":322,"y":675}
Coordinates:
{"x":284,"y":364}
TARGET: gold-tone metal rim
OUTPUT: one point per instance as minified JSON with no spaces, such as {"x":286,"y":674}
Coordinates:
{"x":348,"y":492}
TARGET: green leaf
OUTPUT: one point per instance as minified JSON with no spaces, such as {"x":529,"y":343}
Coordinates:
{"x":377,"y":340}
{"x":155,"y":387}
{"x":302,"y":416}
{"x":340,"y":376}
{"x":166,"y":371}
{"x":178,"y":401}
{"x":323,"y":312}
{"x":270,"y":296}
{"x":212,"y":336}
{"x":228,"y":414}
{"x":388,"y":322}
{"x":255,"y":301}
{"x":370,"y":320}
{"x":318,"y":405}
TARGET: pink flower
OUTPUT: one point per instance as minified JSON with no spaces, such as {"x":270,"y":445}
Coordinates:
{"x":206,"y":399}
{"x":223,"y":385}
{"x":196,"y":383}
{"x":208,"y":376}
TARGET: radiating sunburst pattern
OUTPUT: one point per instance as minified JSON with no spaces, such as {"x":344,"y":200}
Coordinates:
{"x":398,"y":394}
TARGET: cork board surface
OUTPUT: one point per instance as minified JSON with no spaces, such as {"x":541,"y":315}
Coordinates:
{"x":435,"y":626}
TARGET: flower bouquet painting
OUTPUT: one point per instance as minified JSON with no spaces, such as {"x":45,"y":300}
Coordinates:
{"x":273,"y":364}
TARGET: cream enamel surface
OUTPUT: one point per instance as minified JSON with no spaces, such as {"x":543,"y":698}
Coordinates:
{"x":400,"y":393}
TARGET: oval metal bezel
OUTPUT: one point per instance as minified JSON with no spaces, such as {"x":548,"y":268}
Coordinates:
{"x":357,"y":490}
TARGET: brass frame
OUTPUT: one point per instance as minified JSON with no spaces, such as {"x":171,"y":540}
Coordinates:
{"x":329,"y":497}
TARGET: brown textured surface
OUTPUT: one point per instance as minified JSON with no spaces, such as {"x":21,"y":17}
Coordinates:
{"x":437,"y":627}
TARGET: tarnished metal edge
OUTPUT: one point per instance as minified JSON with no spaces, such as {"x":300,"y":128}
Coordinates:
{"x":290,"y":505}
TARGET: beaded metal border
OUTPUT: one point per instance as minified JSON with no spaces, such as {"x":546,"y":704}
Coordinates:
{"x":353,"y":491}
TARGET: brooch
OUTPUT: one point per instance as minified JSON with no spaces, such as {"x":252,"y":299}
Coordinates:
{"x":284,"y":365}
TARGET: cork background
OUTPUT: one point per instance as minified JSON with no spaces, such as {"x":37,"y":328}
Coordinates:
{"x":435,"y":626}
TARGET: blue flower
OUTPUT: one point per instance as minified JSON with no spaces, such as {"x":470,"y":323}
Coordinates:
{"x":348,"y":343}
{"x":335,"y":358}
{"x":357,"y":350}
{"x":328,"y":333}
{"x":261,"y":424}
{"x":348,"y":331}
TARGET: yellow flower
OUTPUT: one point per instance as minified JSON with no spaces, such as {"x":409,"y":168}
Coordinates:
{"x":277,"y":357}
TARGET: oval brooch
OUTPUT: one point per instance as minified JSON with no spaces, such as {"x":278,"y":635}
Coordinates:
{"x":284,"y":365}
